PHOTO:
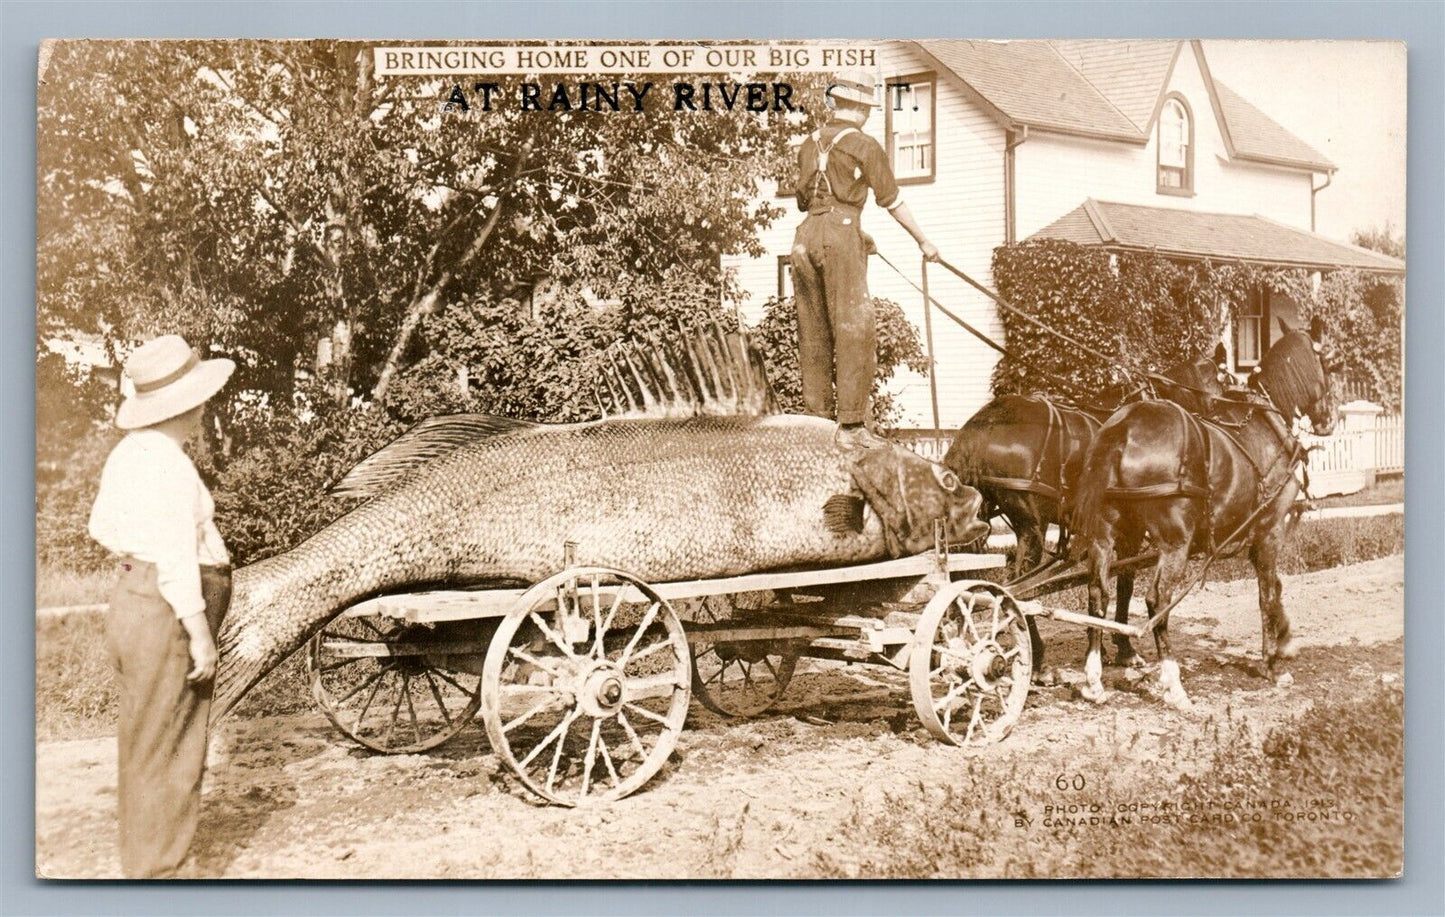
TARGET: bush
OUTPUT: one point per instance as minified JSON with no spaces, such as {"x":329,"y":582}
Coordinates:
{"x":1145,"y":312}
{"x":271,"y":491}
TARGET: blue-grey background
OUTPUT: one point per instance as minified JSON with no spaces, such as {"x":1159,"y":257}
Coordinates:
{"x":1421,"y":24}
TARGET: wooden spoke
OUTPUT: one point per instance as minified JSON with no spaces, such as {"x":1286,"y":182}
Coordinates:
{"x":607,"y":760}
{"x":541,"y":705}
{"x":591,"y":757}
{"x":632,"y":736}
{"x":411,"y":708}
{"x":581,"y":684}
{"x":437,"y":696}
{"x":557,"y":755}
{"x":551,"y":635}
{"x":533,"y":660}
{"x":973,"y":719}
{"x":557,"y":731}
{"x":641,"y":629}
{"x":358,"y":689}
{"x":950,"y":670}
{"x":646,"y":714}
{"x":648,"y":651}
{"x":361,"y":714}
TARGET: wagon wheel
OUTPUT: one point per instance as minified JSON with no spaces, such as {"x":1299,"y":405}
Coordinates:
{"x":739,"y":679}
{"x":585,"y":685}
{"x":372,"y":677}
{"x":971,"y":663}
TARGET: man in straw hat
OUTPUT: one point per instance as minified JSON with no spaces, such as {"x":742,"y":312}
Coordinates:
{"x":154,"y":514}
{"x":836,"y":167}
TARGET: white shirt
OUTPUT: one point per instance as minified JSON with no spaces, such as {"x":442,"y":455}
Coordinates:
{"x":153,"y":506}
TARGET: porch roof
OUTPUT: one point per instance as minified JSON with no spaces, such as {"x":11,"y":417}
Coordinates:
{"x":1222,"y":236}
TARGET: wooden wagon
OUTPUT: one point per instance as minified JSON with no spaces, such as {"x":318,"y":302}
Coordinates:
{"x":583,"y":680}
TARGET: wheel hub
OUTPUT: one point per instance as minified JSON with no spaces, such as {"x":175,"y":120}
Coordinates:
{"x":988,"y":665}
{"x":601,"y":690}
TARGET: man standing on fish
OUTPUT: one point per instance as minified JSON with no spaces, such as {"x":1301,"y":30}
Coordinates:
{"x":837,"y":165}
{"x":154,"y":513}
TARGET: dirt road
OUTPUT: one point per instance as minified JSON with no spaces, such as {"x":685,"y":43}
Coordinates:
{"x":795,"y":793}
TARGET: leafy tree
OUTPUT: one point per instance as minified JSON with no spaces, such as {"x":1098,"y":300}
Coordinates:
{"x":262,"y":196}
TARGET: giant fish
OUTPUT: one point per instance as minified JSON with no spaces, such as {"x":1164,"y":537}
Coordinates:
{"x":694,"y":478}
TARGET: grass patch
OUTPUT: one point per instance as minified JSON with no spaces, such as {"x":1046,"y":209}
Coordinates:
{"x":1321,"y":795}
{"x":60,"y":586}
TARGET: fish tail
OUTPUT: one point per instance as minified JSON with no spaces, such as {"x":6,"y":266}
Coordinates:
{"x":236,"y":674}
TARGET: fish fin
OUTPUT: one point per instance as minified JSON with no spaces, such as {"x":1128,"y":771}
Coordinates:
{"x":425,"y":442}
{"x":843,"y":514}
{"x":705,"y":371}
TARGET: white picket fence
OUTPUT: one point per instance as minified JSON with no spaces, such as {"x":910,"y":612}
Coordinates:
{"x":1367,"y":443}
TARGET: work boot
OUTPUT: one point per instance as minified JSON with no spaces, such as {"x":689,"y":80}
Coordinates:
{"x":858,"y":437}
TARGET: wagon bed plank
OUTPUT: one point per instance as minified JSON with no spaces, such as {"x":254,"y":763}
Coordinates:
{"x":459,"y":605}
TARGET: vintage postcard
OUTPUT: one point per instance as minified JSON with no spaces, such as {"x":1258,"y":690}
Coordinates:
{"x":742,"y":459}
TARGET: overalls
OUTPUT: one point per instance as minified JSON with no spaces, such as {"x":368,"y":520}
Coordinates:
{"x":837,"y":337}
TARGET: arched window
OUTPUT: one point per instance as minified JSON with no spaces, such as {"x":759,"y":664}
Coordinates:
{"x":1176,"y":147}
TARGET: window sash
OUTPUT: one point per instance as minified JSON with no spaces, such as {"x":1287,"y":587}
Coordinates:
{"x":911,"y":129}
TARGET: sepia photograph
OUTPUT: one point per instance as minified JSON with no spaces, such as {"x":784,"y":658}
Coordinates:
{"x":707,"y":460}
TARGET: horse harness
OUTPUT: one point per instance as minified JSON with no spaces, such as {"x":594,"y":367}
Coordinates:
{"x":1055,"y":433}
{"x":1292,"y":455}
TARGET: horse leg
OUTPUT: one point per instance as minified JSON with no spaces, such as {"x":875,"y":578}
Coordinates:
{"x":1101,"y":555}
{"x":1124,"y":654}
{"x":1277,"y":643}
{"x":1173,"y":562}
{"x":1030,"y":532}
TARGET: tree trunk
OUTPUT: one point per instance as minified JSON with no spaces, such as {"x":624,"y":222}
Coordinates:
{"x":427,"y":303}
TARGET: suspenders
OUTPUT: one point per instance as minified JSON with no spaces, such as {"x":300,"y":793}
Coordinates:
{"x":820,"y":178}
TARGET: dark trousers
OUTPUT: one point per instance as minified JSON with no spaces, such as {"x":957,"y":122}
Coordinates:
{"x":835,"y":316}
{"x":162,"y":729}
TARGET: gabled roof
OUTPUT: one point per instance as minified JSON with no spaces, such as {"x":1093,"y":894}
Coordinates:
{"x":1128,"y":73}
{"x":1106,"y":89}
{"x":1223,"y":236}
{"x":1253,"y":135}
{"x":1028,"y":82}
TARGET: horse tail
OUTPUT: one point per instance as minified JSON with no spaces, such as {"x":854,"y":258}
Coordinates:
{"x":1100,"y":464}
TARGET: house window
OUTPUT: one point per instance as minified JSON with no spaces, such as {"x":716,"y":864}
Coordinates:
{"x":785,"y":276}
{"x":909,"y":109}
{"x":1176,"y":147}
{"x":1251,"y":329}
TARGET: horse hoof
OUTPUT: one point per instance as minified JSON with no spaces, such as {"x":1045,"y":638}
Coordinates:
{"x":1176,"y":698}
{"x":1286,"y":649}
{"x":1093,"y":693}
{"x":1047,"y":678}
{"x":1284,"y":680}
{"x":1127,"y":660}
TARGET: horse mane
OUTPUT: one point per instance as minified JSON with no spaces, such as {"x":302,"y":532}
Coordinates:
{"x":1290,"y":373}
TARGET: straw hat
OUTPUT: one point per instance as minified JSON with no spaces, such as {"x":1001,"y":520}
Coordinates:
{"x":169,"y":378}
{"x":854,"y":87}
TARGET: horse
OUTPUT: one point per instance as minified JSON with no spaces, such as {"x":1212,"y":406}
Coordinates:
{"x":1024,"y":453}
{"x":1156,"y":470}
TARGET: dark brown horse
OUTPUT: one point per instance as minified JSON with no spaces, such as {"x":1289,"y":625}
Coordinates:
{"x":1194,"y":486}
{"x":1023,"y":454}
